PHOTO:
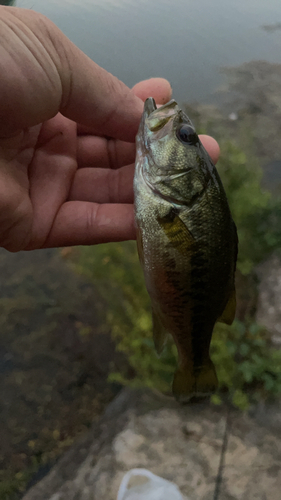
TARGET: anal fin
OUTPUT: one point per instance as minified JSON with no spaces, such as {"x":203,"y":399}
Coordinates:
{"x":160,"y":334}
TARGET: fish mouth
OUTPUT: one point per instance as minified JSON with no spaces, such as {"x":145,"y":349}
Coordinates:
{"x":156,"y":118}
{"x":169,"y":107}
{"x":149,"y":106}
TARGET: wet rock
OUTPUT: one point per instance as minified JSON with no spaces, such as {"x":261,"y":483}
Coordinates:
{"x":181,"y":444}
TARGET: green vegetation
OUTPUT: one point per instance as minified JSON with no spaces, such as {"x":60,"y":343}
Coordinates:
{"x":118,"y":276}
{"x":256,"y":213}
{"x":12,"y":484}
{"x":248,"y":368}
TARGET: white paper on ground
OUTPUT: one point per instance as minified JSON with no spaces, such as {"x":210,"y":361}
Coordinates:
{"x":141,"y":484}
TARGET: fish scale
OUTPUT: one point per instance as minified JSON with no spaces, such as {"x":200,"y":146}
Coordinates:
{"x":187,"y":242}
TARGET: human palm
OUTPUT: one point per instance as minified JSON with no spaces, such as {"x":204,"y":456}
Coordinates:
{"x":65,"y":187}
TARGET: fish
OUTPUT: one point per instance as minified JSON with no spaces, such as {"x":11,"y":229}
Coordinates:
{"x":187,"y":243}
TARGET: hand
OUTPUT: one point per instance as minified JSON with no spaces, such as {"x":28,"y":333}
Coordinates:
{"x":66,"y":139}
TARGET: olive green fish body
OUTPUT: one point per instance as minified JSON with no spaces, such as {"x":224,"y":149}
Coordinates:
{"x":187,"y":242}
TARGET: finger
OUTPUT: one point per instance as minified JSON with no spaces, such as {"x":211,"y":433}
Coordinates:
{"x":99,"y":152}
{"x":50,"y":75}
{"x":102,"y":153}
{"x":84,"y":223}
{"x":51,"y":173}
{"x":211,"y":145}
{"x":158,"y":88}
{"x":103,"y":185}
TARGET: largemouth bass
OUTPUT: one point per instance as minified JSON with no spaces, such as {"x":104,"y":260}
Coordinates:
{"x":187,"y":242}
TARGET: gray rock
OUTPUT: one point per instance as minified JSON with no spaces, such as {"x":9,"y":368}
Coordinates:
{"x":269,"y":303}
{"x":181,"y":444}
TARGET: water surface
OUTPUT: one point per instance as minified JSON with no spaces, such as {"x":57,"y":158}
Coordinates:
{"x":185,"y":41}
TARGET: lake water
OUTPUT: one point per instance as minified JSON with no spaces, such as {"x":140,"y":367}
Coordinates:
{"x":185,"y":41}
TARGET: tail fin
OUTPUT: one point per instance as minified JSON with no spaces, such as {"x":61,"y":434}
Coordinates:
{"x":189,"y":383}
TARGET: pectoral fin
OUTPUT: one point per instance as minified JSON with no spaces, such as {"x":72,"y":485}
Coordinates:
{"x":177,"y":232}
{"x":228,"y":314}
{"x":160,"y":334}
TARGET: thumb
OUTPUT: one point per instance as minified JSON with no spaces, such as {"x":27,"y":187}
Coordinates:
{"x":43,"y":73}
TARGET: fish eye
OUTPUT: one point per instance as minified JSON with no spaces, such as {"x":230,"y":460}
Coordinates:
{"x":187,"y":134}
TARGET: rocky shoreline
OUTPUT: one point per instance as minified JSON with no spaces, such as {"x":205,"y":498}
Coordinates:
{"x":181,"y":444}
